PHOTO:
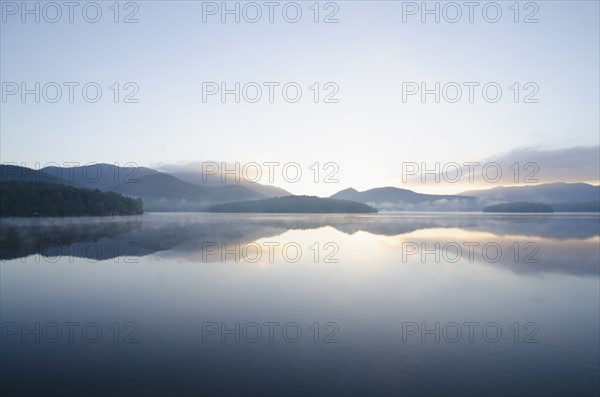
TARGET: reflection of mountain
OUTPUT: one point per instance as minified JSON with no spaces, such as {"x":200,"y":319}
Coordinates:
{"x":107,"y":238}
{"x":570,"y":238}
{"x":541,"y":226}
{"x":64,"y":236}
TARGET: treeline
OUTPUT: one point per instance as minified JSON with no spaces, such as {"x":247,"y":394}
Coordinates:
{"x":519,"y":207}
{"x":295,"y":205}
{"x":593,"y":206}
{"x":53,"y":199}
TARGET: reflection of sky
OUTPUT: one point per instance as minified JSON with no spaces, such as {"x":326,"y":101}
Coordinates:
{"x":368,"y":267}
{"x":369,"y":292}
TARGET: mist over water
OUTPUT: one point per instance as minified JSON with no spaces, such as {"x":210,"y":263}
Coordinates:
{"x":385,"y":304}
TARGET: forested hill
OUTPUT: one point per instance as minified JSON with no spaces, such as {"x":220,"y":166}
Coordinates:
{"x":54,"y":199}
{"x":519,"y":207}
{"x":295,"y":204}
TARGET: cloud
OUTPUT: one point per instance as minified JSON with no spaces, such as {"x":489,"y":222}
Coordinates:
{"x":521,"y":166}
{"x":575,"y":164}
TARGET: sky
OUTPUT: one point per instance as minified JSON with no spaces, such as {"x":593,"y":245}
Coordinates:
{"x":368,"y":125}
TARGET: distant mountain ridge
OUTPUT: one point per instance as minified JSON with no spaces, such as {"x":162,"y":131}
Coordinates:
{"x":99,"y":176}
{"x":162,"y":191}
{"x":159,"y":191}
{"x":559,"y":192}
{"x":389,"y":193}
{"x":397,"y":199}
{"x":104,"y":176}
{"x":563,"y":197}
{"x":14,"y":173}
{"x":200,"y":179}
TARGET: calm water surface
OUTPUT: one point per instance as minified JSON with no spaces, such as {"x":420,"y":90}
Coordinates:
{"x":386,"y":304}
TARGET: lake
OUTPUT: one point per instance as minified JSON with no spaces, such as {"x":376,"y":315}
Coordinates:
{"x":381,"y":304}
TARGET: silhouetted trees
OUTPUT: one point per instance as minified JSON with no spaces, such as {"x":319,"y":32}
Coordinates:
{"x":53,"y":199}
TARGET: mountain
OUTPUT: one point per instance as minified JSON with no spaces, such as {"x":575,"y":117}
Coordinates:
{"x":544,"y":193}
{"x":200,"y":179}
{"x":15,"y":173}
{"x":390,"y":194}
{"x":159,"y":191}
{"x":396,"y":199}
{"x":99,"y":176}
{"x":570,"y":197}
{"x":163,"y":192}
{"x":295,"y":205}
{"x":185,"y":190}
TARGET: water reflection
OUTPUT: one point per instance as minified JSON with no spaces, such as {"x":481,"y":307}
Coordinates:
{"x":565,"y":243}
{"x":171,"y":274}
